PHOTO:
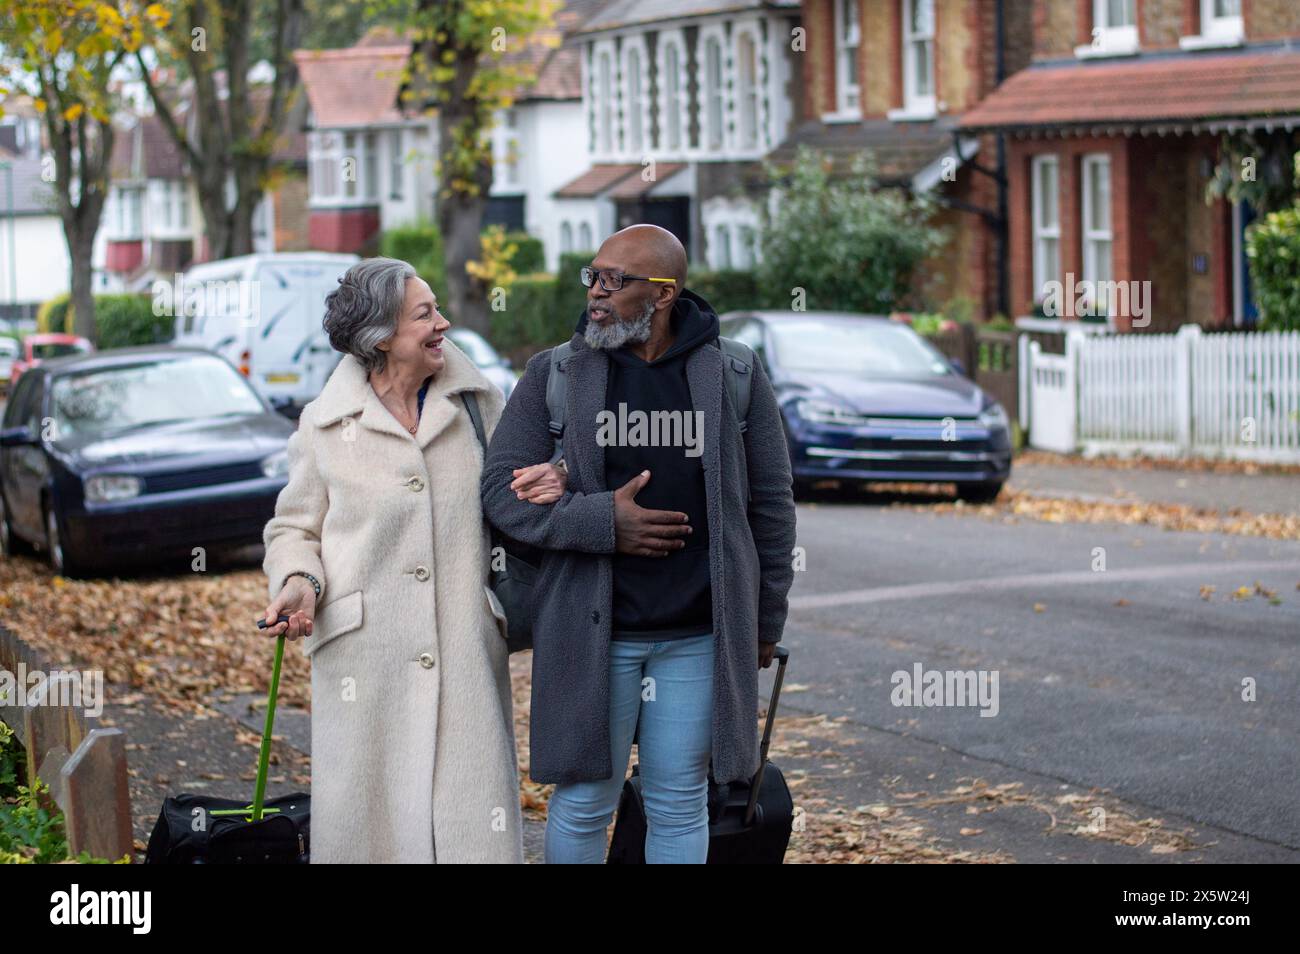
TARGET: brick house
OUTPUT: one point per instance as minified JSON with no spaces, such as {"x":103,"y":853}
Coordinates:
{"x":1114,"y":131}
{"x":895,"y":77}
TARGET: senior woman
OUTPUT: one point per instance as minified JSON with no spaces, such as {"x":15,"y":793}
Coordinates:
{"x":379,"y":555}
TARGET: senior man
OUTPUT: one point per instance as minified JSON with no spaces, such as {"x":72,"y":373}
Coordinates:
{"x":666,"y":562}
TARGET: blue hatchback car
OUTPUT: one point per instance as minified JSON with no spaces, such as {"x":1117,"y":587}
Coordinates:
{"x":865,"y":398}
{"x":137,"y":454}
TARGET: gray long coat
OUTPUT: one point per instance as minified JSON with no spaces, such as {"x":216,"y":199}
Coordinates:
{"x":750,"y":557}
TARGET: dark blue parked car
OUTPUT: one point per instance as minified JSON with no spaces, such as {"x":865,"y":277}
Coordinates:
{"x":137,"y":454}
{"x":868,"y":399}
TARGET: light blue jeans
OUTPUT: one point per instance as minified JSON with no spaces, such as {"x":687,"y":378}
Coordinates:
{"x":670,"y":685}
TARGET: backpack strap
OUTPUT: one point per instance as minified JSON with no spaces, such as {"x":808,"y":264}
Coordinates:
{"x":737,"y":368}
{"x":556,"y":396}
{"x":475,"y":417}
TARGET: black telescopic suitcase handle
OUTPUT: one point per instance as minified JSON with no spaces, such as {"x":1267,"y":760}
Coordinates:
{"x":782,"y":658}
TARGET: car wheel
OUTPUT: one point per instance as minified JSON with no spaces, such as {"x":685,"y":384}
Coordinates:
{"x":983,"y":492}
{"x":62,"y":562}
{"x":10,"y":543}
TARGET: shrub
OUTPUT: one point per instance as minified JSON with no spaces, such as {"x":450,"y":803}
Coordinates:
{"x":529,"y":256}
{"x":728,"y":289}
{"x":531,"y":320}
{"x":1273,"y":250}
{"x":53,"y":314}
{"x":420,"y":244}
{"x":570,"y":296}
{"x":126,"y":320}
{"x":849,"y":243}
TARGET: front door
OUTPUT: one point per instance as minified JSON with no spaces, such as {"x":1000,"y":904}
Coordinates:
{"x":673,"y":214}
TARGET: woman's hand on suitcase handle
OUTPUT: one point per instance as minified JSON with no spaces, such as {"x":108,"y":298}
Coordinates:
{"x":766,"y":653}
{"x":297,"y":600}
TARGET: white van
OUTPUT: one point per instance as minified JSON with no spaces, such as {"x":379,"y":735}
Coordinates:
{"x":263,"y":313}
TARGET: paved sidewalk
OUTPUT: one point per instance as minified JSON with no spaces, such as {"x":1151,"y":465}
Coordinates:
{"x":1258,"y":493}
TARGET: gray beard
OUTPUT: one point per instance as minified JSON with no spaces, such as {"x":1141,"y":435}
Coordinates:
{"x":613,"y":335}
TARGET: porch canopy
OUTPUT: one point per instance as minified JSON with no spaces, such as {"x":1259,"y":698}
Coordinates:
{"x":1254,"y":88}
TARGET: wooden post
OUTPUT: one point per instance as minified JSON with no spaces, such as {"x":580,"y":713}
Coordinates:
{"x":96,"y":800}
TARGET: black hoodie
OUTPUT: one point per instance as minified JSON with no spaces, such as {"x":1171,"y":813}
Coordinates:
{"x":660,"y":598}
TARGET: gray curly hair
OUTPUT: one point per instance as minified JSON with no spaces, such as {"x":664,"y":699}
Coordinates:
{"x":363,"y":311}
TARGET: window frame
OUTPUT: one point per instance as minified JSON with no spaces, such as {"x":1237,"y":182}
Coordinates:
{"x":672,"y":106}
{"x":846,"y":105}
{"x":915,"y":102}
{"x":713,"y":94}
{"x":1039,"y":233}
{"x":1089,"y":234}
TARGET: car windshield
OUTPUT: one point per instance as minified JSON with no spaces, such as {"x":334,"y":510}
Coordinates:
{"x":55,"y":349}
{"x":861,"y":348}
{"x":112,"y":399}
{"x":479,"y":351}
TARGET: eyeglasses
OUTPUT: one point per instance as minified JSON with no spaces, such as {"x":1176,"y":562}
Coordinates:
{"x":611,"y":280}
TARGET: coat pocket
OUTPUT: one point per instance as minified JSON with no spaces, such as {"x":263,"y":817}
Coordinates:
{"x":335,"y":618}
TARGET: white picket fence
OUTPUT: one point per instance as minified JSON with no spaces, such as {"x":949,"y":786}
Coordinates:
{"x":1231,"y":395}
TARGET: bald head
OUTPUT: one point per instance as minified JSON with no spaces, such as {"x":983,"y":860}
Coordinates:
{"x":650,"y":247}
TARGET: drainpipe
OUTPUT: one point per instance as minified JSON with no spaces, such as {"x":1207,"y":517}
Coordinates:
{"x":1004,"y":305}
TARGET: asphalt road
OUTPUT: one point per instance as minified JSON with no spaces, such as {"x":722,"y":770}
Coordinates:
{"x":1142,"y":697}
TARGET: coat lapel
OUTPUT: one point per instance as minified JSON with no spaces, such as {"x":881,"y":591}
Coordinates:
{"x":588,"y":371}
{"x":704,"y":376}
{"x":348,"y":393}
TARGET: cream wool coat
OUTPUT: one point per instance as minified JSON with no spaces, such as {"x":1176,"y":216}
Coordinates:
{"x":413,"y":745}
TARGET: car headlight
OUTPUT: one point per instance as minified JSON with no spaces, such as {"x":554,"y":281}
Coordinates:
{"x":277,"y":465}
{"x":993,"y":416}
{"x":824,"y":412}
{"x":104,"y":488}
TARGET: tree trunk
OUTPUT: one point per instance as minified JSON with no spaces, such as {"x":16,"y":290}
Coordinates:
{"x":460,"y":220}
{"x":80,"y":248}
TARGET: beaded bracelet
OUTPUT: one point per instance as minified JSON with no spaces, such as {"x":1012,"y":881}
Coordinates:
{"x":311,"y":579}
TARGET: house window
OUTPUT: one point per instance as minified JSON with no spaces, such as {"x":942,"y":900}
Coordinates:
{"x":848,"y":37}
{"x":747,"y":240}
{"x":632,"y":67}
{"x":605,"y":102}
{"x":352,"y":172}
{"x":370,"y":165}
{"x":672,"y":85}
{"x":183,"y":204}
{"x":918,"y":56}
{"x":566,"y":237}
{"x":395,"y":164}
{"x":127,"y":211}
{"x":713,"y":93}
{"x":1221,"y":25}
{"x":1046,"y":223}
{"x":1114,"y":27}
{"x":325,"y":165}
{"x":722,"y":249}
{"x":747,"y":82}
{"x":1221,"y":18}
{"x":1097,"y":236}
{"x":509,"y":153}
{"x":584,"y":238}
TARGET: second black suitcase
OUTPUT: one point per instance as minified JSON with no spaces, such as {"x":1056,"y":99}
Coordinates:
{"x":749,"y":823}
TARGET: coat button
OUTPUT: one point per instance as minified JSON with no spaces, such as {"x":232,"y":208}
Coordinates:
{"x":426,"y":660}
{"x":415,"y":483}
{"x":595,"y":616}
{"x":421,"y":573}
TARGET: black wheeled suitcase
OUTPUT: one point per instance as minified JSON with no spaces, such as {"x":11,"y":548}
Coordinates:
{"x":749,"y":823}
{"x":201,"y":829}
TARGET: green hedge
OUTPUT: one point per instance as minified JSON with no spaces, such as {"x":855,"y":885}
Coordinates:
{"x":53,"y":314}
{"x":727,"y":289}
{"x":421,"y":245}
{"x":1273,"y":249}
{"x":120,"y":320}
{"x":126,"y":320}
{"x":530,"y":256}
